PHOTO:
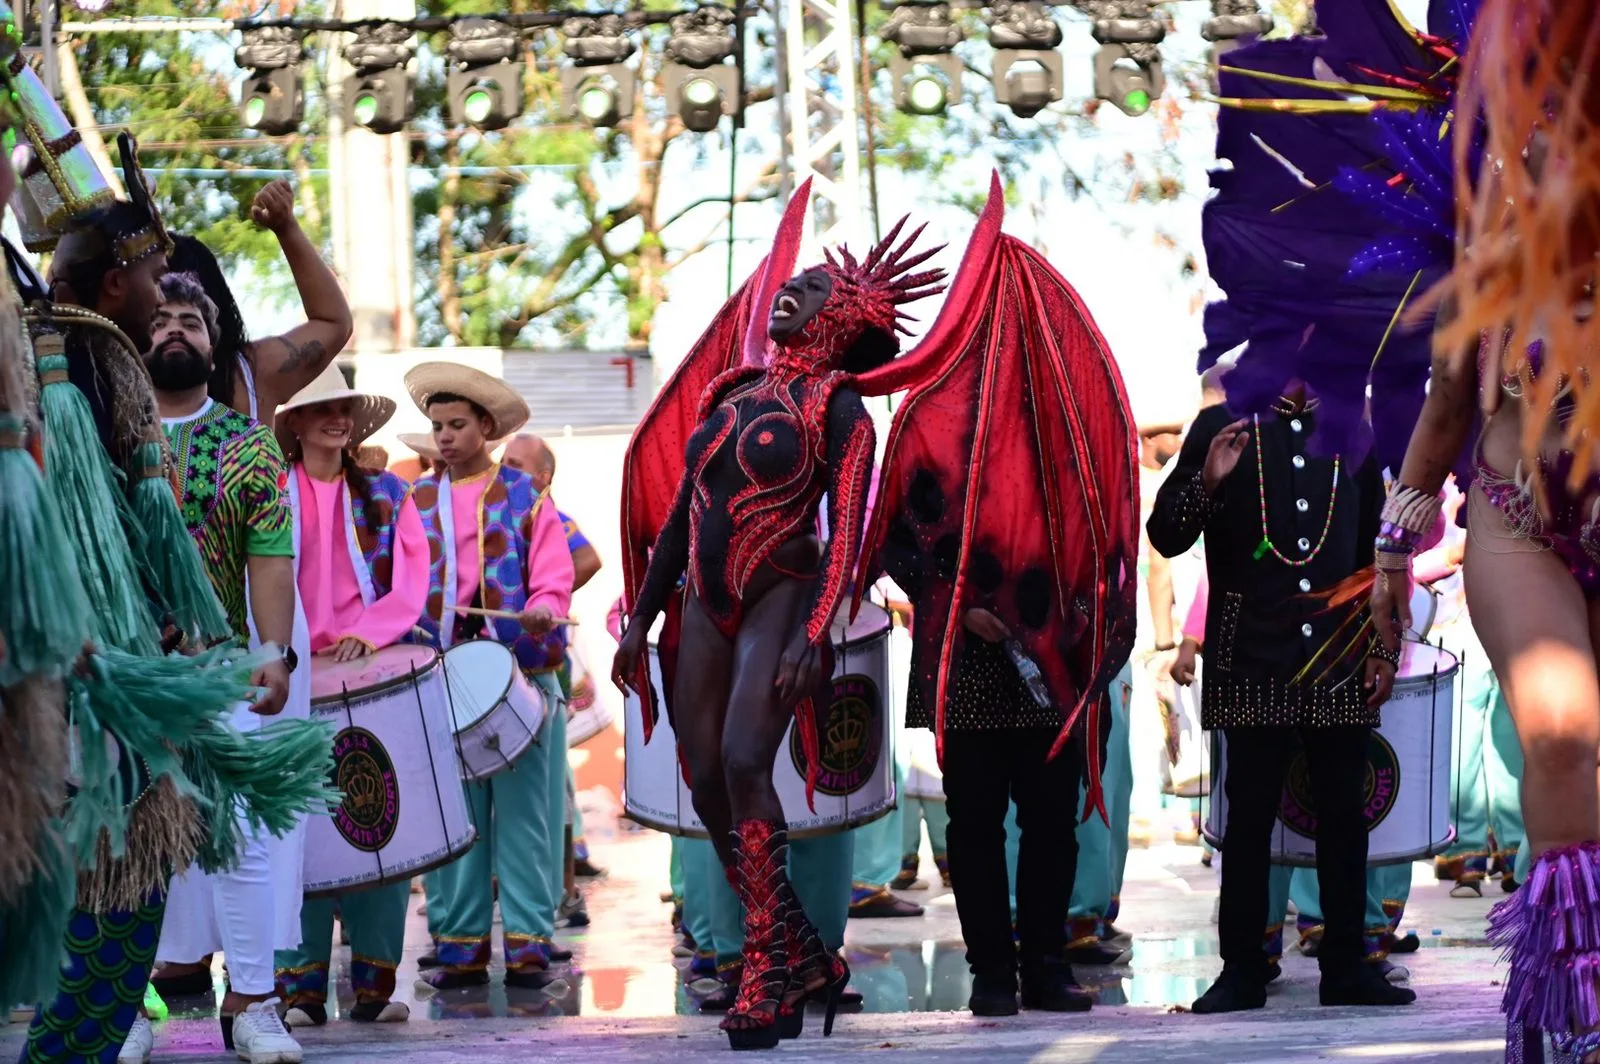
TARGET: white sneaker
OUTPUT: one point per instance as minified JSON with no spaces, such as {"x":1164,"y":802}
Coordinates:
{"x":140,"y":1041}
{"x":260,"y":1037}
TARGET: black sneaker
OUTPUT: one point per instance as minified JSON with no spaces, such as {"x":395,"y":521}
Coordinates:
{"x":380,"y":1012}
{"x":584,"y":868}
{"x":993,"y":995}
{"x":1234,"y":991}
{"x":1050,"y":987}
{"x":1362,"y":984}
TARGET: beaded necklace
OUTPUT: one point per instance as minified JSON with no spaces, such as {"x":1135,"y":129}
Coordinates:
{"x":1266,"y":547}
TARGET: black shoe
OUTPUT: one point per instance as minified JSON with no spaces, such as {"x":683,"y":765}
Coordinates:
{"x":307,"y":1015}
{"x":1098,"y":955}
{"x":1050,"y":987}
{"x":189,"y":985}
{"x":530,"y":978}
{"x":881,"y":904}
{"x":993,"y":995}
{"x":559,"y":955}
{"x":1406,"y":943}
{"x":380,"y":1012}
{"x":1234,"y":991}
{"x":1362,"y":984}
{"x":584,"y":868}
{"x":428,"y":960}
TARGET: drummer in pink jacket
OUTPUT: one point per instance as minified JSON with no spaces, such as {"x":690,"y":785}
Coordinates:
{"x":500,"y":570}
{"x":341,"y":513}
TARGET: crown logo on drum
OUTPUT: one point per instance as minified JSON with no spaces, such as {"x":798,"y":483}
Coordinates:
{"x":847,"y":734}
{"x":363,"y":793}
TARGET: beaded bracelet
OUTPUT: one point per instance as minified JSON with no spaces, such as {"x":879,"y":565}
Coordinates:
{"x":1383,"y":653}
{"x":1409,"y":509}
{"x":1389,"y":560}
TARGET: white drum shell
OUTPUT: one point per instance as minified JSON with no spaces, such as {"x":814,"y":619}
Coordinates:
{"x":593,"y":716}
{"x":654,"y":792}
{"x":1409,"y":781}
{"x":496,"y":712}
{"x":417,"y":819}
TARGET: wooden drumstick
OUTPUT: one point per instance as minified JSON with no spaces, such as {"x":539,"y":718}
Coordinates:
{"x":507,"y":615}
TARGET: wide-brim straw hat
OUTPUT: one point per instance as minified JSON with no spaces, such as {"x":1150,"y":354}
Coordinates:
{"x":506,"y":408}
{"x":422,"y":443}
{"x":368,"y":412}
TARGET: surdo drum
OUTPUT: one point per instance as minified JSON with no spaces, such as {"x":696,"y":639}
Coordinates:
{"x":855,"y":782}
{"x":497,"y":713}
{"x":587,"y":715}
{"x":1408,"y":774}
{"x":403,"y":811}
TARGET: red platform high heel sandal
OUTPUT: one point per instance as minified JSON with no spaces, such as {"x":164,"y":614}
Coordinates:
{"x":758,"y":878}
{"x":816,"y":973}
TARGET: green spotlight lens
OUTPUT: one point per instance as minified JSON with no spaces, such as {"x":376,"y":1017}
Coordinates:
{"x":596,"y":102}
{"x":700,"y":92}
{"x":365,"y":109}
{"x":925,"y":95}
{"x":1138,"y":101}
{"x":478,"y":104}
{"x":255,"y":109}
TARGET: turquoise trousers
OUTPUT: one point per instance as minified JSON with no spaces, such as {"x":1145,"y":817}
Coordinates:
{"x":1388,"y":890}
{"x":819,"y":868}
{"x":521,"y":815}
{"x":914,"y":813}
{"x":1485,"y":798}
{"x":376,"y":921}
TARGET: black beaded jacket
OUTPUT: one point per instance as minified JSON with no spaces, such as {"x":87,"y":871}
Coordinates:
{"x":1262,"y":626}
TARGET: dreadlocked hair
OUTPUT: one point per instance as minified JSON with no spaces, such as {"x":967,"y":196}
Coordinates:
{"x":231,"y":341}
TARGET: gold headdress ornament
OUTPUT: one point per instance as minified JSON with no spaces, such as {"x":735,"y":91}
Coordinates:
{"x":59,"y":182}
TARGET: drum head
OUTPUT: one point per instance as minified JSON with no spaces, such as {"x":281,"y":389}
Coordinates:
{"x":479,"y":675}
{"x":873,"y":620}
{"x":1419,"y":660}
{"x":330,"y":680}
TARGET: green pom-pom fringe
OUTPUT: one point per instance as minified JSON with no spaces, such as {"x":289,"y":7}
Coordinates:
{"x":31,"y":925}
{"x":87,"y":493}
{"x":44,"y":614}
{"x":152,"y":708}
{"x":275,"y":776}
{"x":175,"y":566}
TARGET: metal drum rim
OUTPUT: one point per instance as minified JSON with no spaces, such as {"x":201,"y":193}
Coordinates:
{"x":421,"y":870}
{"x":505,"y":692}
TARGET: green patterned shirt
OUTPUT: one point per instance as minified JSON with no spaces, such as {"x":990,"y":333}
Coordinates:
{"x":235,"y":497}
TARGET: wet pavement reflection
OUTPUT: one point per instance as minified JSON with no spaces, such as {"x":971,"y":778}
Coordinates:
{"x":623,"y":964}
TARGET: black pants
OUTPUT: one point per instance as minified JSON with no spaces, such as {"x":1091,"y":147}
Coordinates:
{"x":1257,"y":760}
{"x":983,"y":772}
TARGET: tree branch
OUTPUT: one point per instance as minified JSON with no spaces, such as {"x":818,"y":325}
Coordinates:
{"x":749,"y":195}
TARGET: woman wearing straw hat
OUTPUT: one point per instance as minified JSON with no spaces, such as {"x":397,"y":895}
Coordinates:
{"x":343,"y":512}
{"x":495,"y":543}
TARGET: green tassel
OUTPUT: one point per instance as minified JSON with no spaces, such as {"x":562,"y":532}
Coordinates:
{"x":276,"y":775}
{"x":153,"y":708}
{"x":86,"y":489}
{"x":44,"y":615}
{"x":31,"y":925}
{"x":176,"y":568}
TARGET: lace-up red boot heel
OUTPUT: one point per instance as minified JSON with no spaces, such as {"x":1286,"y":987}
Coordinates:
{"x":759,"y":878}
{"x":815,"y":972}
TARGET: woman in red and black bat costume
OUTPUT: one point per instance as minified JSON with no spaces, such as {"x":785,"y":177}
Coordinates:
{"x":727,"y":489}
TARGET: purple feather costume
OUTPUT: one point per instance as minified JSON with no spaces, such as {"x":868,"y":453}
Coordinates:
{"x":1329,"y":222}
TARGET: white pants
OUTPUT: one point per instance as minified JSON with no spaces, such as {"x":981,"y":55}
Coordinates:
{"x":224,"y":912}
{"x":253,"y":909}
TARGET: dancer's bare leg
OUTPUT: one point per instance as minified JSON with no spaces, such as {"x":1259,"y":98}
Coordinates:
{"x":700,"y":707}
{"x":1539,"y":634}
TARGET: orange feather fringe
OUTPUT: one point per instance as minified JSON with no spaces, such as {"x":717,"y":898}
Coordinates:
{"x":1529,"y":229}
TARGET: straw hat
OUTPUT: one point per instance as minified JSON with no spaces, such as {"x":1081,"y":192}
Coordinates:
{"x":506,"y":408}
{"x":421,"y":443}
{"x":368,"y":412}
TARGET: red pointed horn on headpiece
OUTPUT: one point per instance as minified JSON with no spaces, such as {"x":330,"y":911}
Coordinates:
{"x":779,"y":267}
{"x":970,"y":280}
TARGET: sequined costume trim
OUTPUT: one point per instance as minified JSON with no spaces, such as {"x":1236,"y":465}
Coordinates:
{"x":1565,"y":527}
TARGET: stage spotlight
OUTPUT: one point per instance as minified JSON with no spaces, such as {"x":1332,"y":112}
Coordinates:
{"x":927,"y":76}
{"x":484,"y":85}
{"x":598,"y":86}
{"x":1231,"y":20}
{"x":1027,"y":69}
{"x":271,"y":100}
{"x":1127,"y":68}
{"x":700,"y":84}
{"x":378,"y":96}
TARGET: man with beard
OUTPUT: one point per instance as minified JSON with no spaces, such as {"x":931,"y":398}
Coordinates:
{"x":233,"y":482}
